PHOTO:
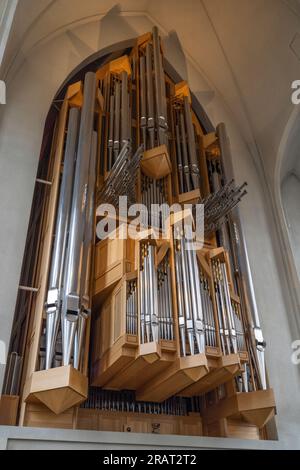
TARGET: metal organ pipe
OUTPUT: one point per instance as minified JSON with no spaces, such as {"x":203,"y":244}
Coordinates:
{"x":143,"y":119}
{"x":117,"y":120}
{"x":179,"y":160}
{"x":148,"y":296}
{"x":68,"y":299}
{"x":164,"y":294}
{"x":125,"y":110}
{"x":160,"y":90}
{"x":111,"y":131}
{"x":242,"y":261}
{"x":150,"y":95}
{"x":86,"y":259}
{"x":72,"y":302}
{"x":55,"y":282}
{"x":195,"y":309}
{"x":186,"y":167}
{"x":194,"y":167}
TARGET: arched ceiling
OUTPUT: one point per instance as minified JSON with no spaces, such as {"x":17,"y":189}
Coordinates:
{"x":248,"y":51}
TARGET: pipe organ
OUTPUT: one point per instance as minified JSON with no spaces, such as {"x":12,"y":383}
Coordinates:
{"x":152,"y":333}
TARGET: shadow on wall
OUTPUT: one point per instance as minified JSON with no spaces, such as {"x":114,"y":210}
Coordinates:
{"x":110,"y":22}
{"x":290,"y":195}
{"x":288,"y":181}
{"x":172,"y":46}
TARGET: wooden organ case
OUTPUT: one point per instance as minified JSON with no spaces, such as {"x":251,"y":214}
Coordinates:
{"x":155,"y":333}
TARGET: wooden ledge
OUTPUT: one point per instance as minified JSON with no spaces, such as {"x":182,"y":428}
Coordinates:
{"x":189,"y":197}
{"x":115,"y":360}
{"x":221,"y":370}
{"x":59,"y":388}
{"x":150,"y":360}
{"x":255,"y":407}
{"x":150,"y":352}
{"x":156,"y":162}
{"x":182,"y":89}
{"x":183,"y":372}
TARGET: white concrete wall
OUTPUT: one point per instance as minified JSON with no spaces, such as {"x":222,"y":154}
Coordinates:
{"x":31,"y":87}
{"x":290,"y":193}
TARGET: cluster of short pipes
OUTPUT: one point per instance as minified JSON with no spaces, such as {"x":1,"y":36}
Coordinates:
{"x":196,"y":320}
{"x":125,"y":401}
{"x":153,"y":195}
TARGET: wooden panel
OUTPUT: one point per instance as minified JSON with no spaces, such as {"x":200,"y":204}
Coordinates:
{"x":182,"y":89}
{"x":41,"y":417}
{"x":137,"y":424}
{"x":115,"y":66}
{"x":105,"y":328}
{"x":8,"y":410}
{"x":106,"y":423}
{"x":209,"y":139}
{"x":113,"y":259}
{"x":156,"y":162}
{"x":110,"y":324}
{"x":191,"y":425}
{"x":118,"y":311}
{"x":111,"y":365}
{"x":216,"y":429}
{"x":102,"y":420}
{"x":108,"y":252}
{"x":241,"y":430}
{"x":164,"y":425}
{"x":87,"y":419}
{"x":190,"y":197}
{"x":255,"y":400}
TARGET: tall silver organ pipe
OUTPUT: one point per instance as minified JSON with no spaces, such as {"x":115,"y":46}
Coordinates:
{"x":190,"y":308}
{"x":117,"y":119}
{"x":68,"y":297}
{"x":71,"y":302}
{"x":165,"y":306}
{"x":55,"y":281}
{"x":143,"y":118}
{"x":239,"y":243}
{"x":149,"y":294}
{"x":194,"y":167}
{"x":150,"y":95}
{"x":125,"y":109}
{"x":160,"y":90}
{"x":119,"y":129}
{"x":86,"y":261}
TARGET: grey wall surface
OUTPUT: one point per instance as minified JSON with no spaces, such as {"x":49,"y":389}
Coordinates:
{"x":32,"y":82}
{"x":290,"y":191}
